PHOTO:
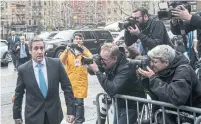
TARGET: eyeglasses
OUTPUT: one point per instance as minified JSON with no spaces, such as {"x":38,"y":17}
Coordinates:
{"x":137,"y":17}
{"x":105,"y":60}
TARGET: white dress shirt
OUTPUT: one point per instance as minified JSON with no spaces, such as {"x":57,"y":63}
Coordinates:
{"x":44,"y":70}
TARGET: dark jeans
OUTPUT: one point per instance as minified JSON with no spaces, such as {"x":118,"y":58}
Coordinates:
{"x":122,"y":118}
{"x":13,"y":59}
{"x":21,"y":61}
{"x":79,"y":111}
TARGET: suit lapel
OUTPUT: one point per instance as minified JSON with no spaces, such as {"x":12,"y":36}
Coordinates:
{"x":33,"y":78}
{"x":49,"y":67}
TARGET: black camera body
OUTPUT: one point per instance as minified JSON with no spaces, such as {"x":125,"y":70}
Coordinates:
{"x":73,"y":45}
{"x":97,"y":59}
{"x":128,"y":22}
{"x":143,"y":63}
{"x":166,"y":13}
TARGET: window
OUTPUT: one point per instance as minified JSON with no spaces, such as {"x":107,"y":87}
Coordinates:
{"x":34,"y":22}
{"x":29,"y":3}
{"x":87,"y":35}
{"x":29,"y":22}
{"x":109,"y":11}
{"x":103,"y":35}
{"x":13,"y":10}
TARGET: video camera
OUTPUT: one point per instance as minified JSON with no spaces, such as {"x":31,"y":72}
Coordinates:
{"x":130,"y":21}
{"x":143,"y":63}
{"x":166,"y":9}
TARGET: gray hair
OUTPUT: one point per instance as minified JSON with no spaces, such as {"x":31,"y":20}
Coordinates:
{"x":22,"y":37}
{"x":35,"y":39}
{"x":113,"y":49}
{"x":162,"y":52}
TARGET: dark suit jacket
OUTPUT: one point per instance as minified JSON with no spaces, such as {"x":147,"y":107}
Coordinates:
{"x":17,"y":52}
{"x":11,"y":44}
{"x":35,"y":104}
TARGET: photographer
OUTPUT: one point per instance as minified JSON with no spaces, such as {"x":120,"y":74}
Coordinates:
{"x":119,"y":79}
{"x":172,"y":79}
{"x":190,"y":23}
{"x":194,"y":21}
{"x":149,"y":30}
{"x":77,"y":73}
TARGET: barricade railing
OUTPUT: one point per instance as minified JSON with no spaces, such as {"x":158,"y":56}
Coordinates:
{"x":181,"y":111}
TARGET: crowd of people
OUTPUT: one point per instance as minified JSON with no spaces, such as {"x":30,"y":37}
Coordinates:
{"x":169,"y":77}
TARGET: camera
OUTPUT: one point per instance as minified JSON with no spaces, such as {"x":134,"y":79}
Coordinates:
{"x":128,"y":22}
{"x":166,"y":9}
{"x":143,"y":63}
{"x":73,"y":45}
{"x":97,"y":59}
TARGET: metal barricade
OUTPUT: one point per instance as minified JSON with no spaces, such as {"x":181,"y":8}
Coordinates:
{"x":181,"y":111}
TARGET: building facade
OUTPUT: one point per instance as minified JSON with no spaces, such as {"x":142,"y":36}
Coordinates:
{"x":46,"y":15}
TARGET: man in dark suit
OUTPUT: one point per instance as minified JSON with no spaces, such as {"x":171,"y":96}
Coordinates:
{"x":21,"y":51}
{"x":11,"y":43}
{"x":40,"y":78}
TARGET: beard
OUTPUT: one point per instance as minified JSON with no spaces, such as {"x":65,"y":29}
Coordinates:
{"x":142,"y":23}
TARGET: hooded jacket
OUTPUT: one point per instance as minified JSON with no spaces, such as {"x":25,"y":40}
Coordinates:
{"x":121,"y":80}
{"x":78,"y":75}
{"x":177,"y":84}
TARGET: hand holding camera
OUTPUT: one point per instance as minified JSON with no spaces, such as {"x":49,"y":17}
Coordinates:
{"x":75,"y":46}
{"x":135,"y":31}
{"x":94,"y":67}
{"x":147,"y":73}
{"x":181,"y":13}
{"x":18,"y":121}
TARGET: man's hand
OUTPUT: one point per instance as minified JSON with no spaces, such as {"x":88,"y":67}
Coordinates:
{"x":70,"y":118}
{"x":135,"y":31}
{"x":18,"y":121}
{"x":18,"y":47}
{"x":181,"y":14}
{"x":94,"y":67}
{"x":67,"y":48}
{"x":144,"y":73}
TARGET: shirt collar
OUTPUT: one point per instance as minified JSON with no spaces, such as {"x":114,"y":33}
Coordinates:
{"x":35,"y":64}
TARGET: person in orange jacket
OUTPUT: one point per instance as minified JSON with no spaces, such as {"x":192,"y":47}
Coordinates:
{"x":77,"y":73}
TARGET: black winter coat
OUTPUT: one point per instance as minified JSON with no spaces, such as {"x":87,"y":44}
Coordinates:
{"x":176,"y":83}
{"x":17,"y":52}
{"x":153,"y":34}
{"x":121,"y":80}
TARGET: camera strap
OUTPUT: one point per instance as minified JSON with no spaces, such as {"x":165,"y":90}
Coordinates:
{"x":183,"y":33}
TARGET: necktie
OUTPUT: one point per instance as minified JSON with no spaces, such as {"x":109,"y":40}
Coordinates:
{"x":13,"y":39}
{"x":23,"y":48}
{"x":42,"y":82}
